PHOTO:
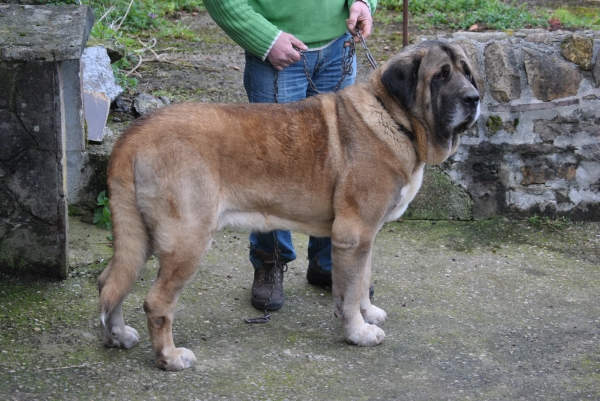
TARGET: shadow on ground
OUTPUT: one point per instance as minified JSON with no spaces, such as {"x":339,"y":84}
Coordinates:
{"x":477,"y":310}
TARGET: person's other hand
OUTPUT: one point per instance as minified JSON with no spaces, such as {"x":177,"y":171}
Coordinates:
{"x":283,"y":54}
{"x":359,"y":17}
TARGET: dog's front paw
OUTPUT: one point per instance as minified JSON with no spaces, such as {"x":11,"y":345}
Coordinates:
{"x":120,"y":337}
{"x":374,"y":315}
{"x":176,"y":359}
{"x":366,"y":335}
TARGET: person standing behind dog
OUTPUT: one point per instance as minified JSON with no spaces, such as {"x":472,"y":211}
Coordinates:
{"x":272,"y":33}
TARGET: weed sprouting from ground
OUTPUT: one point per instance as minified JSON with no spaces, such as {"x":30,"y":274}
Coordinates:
{"x":102,"y":213}
{"x":559,"y":223}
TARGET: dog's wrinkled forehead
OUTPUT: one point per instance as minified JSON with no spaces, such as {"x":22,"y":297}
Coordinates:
{"x":432,"y":51}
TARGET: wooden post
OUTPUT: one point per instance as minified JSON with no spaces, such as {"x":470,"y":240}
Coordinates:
{"x":405,"y":24}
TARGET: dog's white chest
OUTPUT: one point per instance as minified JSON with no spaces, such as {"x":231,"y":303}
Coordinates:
{"x":407,"y":194}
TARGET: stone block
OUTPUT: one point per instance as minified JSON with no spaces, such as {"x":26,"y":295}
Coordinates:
{"x":478,"y":72}
{"x":24,"y":250}
{"x":40,"y":110}
{"x":544,"y":173}
{"x":502,"y":73}
{"x":98,"y":75}
{"x":596,"y":71}
{"x":35,"y":101}
{"x":7,"y":79}
{"x":36,"y":184}
{"x":550,"y":78}
{"x":70,"y":72}
{"x":439,"y":199}
{"x":579,"y":50}
{"x":532,"y":106}
{"x":13,"y":136}
{"x":482,"y":36}
{"x":144,"y":103}
{"x":47,"y":33}
{"x":542,"y":38}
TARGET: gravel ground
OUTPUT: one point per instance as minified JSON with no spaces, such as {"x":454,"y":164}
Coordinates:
{"x":490,"y":310}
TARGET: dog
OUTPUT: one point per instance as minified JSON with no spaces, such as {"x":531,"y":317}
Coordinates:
{"x":335,"y":165}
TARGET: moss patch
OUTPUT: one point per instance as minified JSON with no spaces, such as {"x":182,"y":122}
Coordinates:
{"x":439,"y":199}
{"x":494,"y":124}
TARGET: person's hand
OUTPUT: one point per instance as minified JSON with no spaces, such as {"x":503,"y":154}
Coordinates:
{"x":283,"y":54}
{"x":359,"y":17}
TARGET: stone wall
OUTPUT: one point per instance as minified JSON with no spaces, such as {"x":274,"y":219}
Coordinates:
{"x":536,"y":146}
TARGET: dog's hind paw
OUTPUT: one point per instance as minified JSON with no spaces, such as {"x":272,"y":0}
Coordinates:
{"x":374,"y":315}
{"x":125,"y":337}
{"x":176,"y":359}
{"x":367,"y":335}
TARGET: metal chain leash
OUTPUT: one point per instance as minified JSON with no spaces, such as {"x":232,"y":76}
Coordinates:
{"x":363,"y":42}
{"x":346,"y":65}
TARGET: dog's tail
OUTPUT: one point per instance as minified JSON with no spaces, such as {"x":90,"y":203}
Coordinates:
{"x":131,"y":242}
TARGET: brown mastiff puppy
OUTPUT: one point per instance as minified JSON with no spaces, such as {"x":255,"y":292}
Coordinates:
{"x":338,"y":165}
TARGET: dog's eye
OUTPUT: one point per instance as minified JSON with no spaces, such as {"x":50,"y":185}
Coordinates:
{"x":468,"y":73}
{"x":443,"y":73}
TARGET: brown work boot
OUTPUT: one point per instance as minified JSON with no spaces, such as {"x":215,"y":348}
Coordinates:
{"x":267,"y":287}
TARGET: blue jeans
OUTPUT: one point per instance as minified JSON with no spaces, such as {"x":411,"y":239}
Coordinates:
{"x":325,"y":69}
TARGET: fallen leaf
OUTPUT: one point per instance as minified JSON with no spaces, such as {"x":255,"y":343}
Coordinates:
{"x":555,"y":24}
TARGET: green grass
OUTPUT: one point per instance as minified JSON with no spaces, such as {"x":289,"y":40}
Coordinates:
{"x":137,"y":16}
{"x":132,"y":24}
{"x":492,"y":14}
{"x":462,"y":14}
{"x":578,"y":17}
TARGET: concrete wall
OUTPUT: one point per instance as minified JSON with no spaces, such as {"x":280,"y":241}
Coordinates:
{"x":536,"y":146}
{"x":32,"y":187}
{"x":41,"y":132}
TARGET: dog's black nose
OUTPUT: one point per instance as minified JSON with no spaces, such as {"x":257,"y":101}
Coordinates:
{"x":471,"y":98}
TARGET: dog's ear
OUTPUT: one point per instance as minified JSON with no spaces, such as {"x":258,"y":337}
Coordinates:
{"x":400,"y":80}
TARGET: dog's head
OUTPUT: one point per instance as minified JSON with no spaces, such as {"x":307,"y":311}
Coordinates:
{"x":433,"y":83}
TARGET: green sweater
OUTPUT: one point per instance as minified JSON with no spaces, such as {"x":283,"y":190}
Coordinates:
{"x":256,"y":24}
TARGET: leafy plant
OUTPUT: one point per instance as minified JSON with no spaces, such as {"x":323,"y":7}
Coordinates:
{"x":559,"y":223}
{"x":102,"y":213}
{"x":121,"y":78}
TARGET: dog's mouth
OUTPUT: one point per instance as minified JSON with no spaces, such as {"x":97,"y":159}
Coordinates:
{"x":462,"y":127}
{"x":466,"y":123}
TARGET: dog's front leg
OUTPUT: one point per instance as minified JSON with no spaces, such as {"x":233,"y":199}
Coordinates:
{"x":370,"y":312}
{"x":351,"y":252}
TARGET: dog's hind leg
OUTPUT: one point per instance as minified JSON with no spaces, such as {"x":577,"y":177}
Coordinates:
{"x":352,"y":243}
{"x":176,"y":268}
{"x":131,"y":251}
